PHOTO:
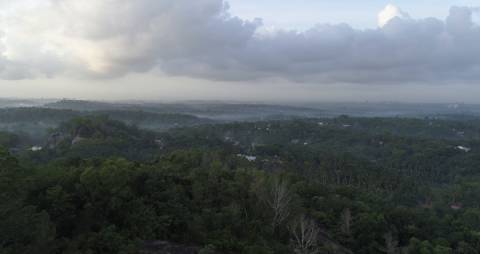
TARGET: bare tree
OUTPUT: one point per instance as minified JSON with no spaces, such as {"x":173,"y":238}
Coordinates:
{"x":305,"y":235}
{"x":278,"y":199}
{"x":346,"y":221}
{"x":391,"y":245}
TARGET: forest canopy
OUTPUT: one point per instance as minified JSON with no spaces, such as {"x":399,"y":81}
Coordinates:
{"x":337,"y":185}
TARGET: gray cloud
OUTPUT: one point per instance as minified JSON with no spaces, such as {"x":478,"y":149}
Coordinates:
{"x":200,"y":39}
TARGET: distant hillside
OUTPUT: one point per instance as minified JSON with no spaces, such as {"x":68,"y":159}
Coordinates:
{"x":253,"y":111}
{"x":13,"y":103}
{"x":150,"y":120}
{"x":378,"y":109}
{"x":35,"y":114}
{"x":88,"y":137}
{"x":217,"y":110}
{"x":36,"y":121}
{"x":80,"y":105}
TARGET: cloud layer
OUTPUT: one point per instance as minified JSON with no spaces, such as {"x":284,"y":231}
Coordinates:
{"x":200,"y":39}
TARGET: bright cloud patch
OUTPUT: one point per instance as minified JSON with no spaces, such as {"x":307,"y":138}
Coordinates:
{"x":200,"y":39}
{"x":388,"y":13}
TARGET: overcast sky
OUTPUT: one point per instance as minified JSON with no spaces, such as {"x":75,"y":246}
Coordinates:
{"x":270,"y":50}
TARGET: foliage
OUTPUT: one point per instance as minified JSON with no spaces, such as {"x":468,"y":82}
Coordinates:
{"x":349,"y":185}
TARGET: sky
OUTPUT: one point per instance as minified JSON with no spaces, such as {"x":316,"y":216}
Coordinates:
{"x":302,"y":14}
{"x":242,"y":50}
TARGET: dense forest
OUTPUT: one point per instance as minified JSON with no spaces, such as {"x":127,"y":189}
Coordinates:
{"x":101,"y":183}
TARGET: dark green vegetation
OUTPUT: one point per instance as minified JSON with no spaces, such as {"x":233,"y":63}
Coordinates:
{"x":36,"y":122}
{"x":8,"y":139}
{"x":340,"y":185}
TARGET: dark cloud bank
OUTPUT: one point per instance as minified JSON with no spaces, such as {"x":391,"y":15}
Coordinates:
{"x":199,"y":39}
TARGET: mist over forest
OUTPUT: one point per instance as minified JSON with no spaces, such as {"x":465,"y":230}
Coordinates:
{"x":239,"y":127}
{"x":215,"y":177}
